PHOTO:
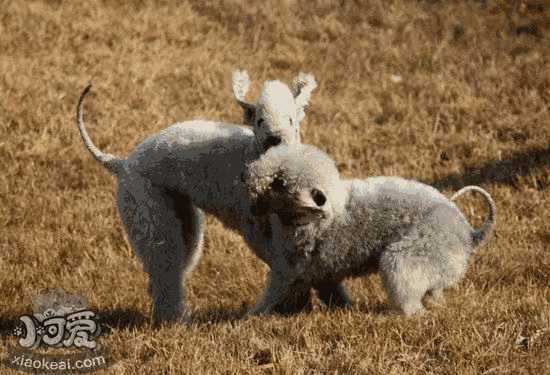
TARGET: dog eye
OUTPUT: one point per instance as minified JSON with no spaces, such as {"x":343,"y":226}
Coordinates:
{"x":278,"y":184}
{"x":318,"y":197}
{"x":260,"y":122}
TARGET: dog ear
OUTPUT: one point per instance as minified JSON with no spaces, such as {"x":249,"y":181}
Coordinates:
{"x":255,"y":187}
{"x":249,"y":114}
{"x":240,"y":84}
{"x":302,"y":86}
{"x":253,"y":184}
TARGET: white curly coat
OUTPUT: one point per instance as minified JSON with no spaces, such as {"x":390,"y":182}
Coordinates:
{"x":167,"y":183}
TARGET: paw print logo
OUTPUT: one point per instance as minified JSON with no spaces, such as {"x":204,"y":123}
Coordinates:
{"x":18,"y":331}
{"x":40,"y":331}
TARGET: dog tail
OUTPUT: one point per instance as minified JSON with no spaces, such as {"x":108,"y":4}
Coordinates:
{"x":113,"y":163}
{"x":479,"y":236}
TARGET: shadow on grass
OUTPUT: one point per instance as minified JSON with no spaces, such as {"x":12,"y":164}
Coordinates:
{"x":493,"y":171}
{"x":379,"y":308}
{"x":121,"y":318}
{"x":108,"y":319}
{"x":218,"y":315}
{"x":499,"y":171}
{"x":8,"y":322}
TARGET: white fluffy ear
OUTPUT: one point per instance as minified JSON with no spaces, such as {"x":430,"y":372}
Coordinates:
{"x":302,"y":86}
{"x":241,"y":83}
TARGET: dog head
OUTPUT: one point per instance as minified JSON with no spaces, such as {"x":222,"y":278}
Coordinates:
{"x":299,"y":183}
{"x":276,"y":116}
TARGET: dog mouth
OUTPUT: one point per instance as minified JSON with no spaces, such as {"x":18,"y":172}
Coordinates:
{"x":301,"y":216}
{"x":271,"y":141}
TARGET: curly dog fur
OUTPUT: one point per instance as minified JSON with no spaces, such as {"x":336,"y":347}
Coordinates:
{"x":326,"y":228}
{"x":167,"y":183}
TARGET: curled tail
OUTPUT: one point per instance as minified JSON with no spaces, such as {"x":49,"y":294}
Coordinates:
{"x":113,"y":163}
{"x":479,"y":236}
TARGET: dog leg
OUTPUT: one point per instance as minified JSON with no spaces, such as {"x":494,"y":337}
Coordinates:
{"x":298,"y":300}
{"x":333,"y":294}
{"x":192,"y":226}
{"x":166,"y":234}
{"x":432,"y":256}
{"x":403,"y":296}
{"x":279,"y":285}
{"x":259,"y":236}
{"x":405,"y":278}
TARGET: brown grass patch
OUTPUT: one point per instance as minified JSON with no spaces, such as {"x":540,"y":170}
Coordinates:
{"x":472,"y":107}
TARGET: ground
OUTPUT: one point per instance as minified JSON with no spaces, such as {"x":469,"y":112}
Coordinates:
{"x":449,"y":93}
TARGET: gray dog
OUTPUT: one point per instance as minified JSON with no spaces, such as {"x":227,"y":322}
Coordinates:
{"x":325,"y":229}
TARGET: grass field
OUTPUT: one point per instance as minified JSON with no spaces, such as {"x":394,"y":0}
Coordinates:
{"x":449,"y":93}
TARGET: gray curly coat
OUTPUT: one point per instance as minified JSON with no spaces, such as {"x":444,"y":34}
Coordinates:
{"x":325,"y":229}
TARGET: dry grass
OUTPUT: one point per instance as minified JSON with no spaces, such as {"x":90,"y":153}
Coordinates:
{"x":472,"y":107}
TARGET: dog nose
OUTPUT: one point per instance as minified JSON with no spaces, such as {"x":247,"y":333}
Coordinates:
{"x":272,"y":141}
{"x":318,"y":197}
